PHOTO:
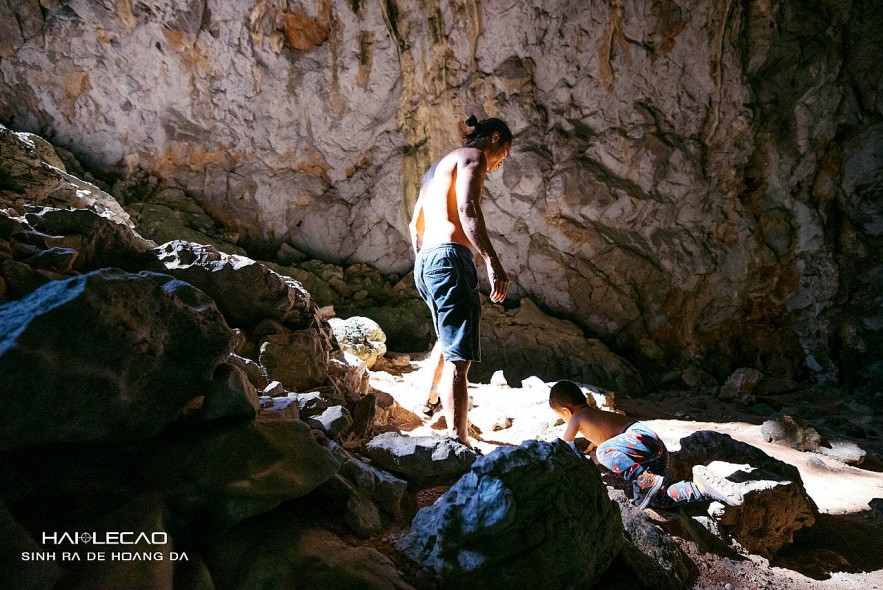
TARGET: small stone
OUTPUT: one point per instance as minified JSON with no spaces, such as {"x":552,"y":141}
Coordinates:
{"x":498,"y":379}
{"x":274,"y":389}
{"x":285,"y":408}
{"x":333,"y":421}
{"x":846,"y":451}
{"x":311,"y":403}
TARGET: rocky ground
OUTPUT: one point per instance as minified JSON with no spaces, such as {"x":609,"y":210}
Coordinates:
{"x":832,"y":554}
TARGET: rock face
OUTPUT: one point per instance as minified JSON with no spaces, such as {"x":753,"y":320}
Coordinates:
{"x":636,"y":202}
{"x":526,"y":342}
{"x":535,"y":512}
{"x":105,"y":356}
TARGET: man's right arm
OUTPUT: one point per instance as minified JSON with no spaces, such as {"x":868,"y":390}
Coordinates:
{"x":470,"y":180}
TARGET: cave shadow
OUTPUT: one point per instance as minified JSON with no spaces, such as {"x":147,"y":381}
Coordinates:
{"x":835,"y":543}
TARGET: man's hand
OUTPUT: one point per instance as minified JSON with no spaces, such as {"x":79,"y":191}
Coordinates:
{"x":498,"y":279}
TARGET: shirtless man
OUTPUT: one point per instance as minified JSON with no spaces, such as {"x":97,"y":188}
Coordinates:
{"x":446,"y":226}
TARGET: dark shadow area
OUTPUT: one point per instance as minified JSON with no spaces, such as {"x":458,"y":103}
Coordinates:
{"x":619,"y":576}
{"x":871,"y":463}
{"x":836,"y":543}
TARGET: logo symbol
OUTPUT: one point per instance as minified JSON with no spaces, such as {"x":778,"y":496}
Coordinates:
{"x":85,"y":537}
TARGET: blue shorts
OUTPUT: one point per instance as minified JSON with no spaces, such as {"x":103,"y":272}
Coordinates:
{"x":446,"y":279}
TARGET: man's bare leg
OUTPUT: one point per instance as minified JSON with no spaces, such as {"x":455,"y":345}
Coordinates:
{"x":436,"y":363}
{"x":455,"y":398}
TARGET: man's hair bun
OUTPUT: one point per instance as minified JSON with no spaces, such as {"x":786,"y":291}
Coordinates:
{"x":472,"y":121}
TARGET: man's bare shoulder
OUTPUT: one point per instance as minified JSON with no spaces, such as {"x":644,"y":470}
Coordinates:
{"x":467,"y":156}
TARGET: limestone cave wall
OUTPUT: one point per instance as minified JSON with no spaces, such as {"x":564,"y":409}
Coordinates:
{"x":695,"y":182}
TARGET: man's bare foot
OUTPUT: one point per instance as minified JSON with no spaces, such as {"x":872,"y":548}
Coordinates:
{"x":430,"y":408}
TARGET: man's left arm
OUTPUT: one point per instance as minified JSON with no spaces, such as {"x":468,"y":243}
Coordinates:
{"x":417,"y":225}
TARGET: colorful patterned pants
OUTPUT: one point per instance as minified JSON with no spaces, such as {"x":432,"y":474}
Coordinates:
{"x":639,"y":449}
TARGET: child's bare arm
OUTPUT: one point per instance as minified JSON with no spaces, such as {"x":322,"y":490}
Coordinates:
{"x":572,"y":429}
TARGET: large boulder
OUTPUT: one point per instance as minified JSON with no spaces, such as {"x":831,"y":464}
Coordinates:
{"x":225,"y":475}
{"x":655,"y":558}
{"x":105,"y":356}
{"x":792,"y":431}
{"x":360,"y":336}
{"x":763,"y":502}
{"x":278,"y":551}
{"x":757,"y":509}
{"x":99,"y":239}
{"x":366,"y":496}
{"x":33,"y":174}
{"x":421,"y":460}
{"x":246,"y":291}
{"x":534,"y":514}
{"x":299,"y":360}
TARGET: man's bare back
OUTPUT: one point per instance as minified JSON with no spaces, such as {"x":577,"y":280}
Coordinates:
{"x":449,"y":209}
{"x":438,"y":199}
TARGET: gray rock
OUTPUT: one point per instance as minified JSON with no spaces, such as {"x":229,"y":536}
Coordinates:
{"x":333,"y":421}
{"x":34,"y":175}
{"x":285,"y":408}
{"x":769,"y":502}
{"x":695,"y":377}
{"x":793,"y":432}
{"x":99,"y":241}
{"x":704,"y":446}
{"x":245,"y":291}
{"x":311,"y":403}
{"x":298,"y":360}
{"x":55,"y":259}
{"x":109,"y":355}
{"x":362,"y":516}
{"x":421,"y":460}
{"x":384,"y":489}
{"x":231,"y":395}
{"x":274,"y":389}
{"x":20,"y":279}
{"x":350,"y":372}
{"x":655,"y":558}
{"x":8,"y":226}
{"x":361,"y":337}
{"x":758,"y":509}
{"x":843,"y":450}
{"x":257,"y":376}
{"x":534,"y":512}
{"x":741,"y":383}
